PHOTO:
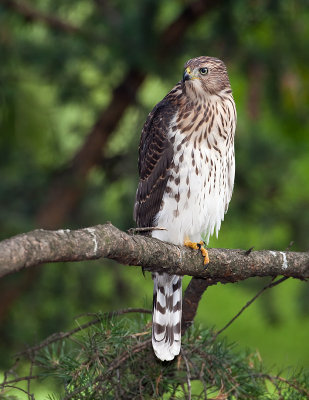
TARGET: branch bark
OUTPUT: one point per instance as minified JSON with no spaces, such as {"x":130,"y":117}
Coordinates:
{"x":106,"y":241}
{"x":191,"y":299}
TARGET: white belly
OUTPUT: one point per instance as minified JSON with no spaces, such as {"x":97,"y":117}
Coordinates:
{"x":198,"y":192}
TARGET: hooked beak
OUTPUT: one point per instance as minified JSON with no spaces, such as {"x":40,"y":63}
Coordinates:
{"x":186,"y":75}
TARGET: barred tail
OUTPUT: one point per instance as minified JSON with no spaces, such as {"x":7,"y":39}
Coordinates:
{"x":166,"y":315}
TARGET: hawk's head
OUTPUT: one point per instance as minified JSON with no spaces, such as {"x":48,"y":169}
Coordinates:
{"x":206,"y":74}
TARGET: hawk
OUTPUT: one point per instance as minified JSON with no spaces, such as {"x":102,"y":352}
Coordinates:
{"x":186,"y":168}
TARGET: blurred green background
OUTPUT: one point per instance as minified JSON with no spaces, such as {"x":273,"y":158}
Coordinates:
{"x":61,"y":66}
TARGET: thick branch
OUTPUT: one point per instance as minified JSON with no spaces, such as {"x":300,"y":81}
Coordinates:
{"x":106,"y":241}
{"x":191,"y":299}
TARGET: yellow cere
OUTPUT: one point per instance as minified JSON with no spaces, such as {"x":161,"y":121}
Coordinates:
{"x":188,"y":70}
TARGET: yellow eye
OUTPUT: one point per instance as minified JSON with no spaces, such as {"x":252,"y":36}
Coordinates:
{"x":203,"y":71}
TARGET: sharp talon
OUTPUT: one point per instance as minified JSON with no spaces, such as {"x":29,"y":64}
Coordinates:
{"x":198,"y":246}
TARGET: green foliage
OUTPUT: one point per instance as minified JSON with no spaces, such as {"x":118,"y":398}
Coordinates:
{"x":114,"y":359}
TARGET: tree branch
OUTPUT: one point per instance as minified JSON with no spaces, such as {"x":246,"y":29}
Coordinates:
{"x":63,"y":335}
{"x":191,"y":299}
{"x":269,"y":286}
{"x":106,"y":241}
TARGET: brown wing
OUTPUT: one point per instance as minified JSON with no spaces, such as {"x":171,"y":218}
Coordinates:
{"x":155,"y":158}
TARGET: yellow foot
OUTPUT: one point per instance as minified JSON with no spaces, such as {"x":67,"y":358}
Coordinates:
{"x":198,"y":246}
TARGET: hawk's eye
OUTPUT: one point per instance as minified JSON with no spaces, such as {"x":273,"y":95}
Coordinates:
{"x":203,"y":71}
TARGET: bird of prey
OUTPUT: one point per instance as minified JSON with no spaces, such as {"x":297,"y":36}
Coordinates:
{"x":186,"y":168}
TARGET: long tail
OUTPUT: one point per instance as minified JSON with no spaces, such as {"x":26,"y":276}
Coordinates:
{"x":166,"y":315}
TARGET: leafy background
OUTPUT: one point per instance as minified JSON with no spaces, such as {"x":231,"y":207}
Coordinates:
{"x":53,"y":86}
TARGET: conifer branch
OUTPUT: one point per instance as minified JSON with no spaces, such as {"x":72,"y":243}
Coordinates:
{"x":55,"y":337}
{"x":125,"y":363}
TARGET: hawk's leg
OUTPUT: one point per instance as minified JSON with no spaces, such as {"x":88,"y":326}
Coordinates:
{"x":198,"y":246}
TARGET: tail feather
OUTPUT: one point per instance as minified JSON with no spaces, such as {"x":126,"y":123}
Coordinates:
{"x":166,"y":315}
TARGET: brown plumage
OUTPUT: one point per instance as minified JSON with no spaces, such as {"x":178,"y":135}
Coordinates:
{"x":186,"y":167}
{"x":155,"y":157}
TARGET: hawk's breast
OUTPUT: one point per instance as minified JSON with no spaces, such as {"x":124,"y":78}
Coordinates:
{"x":201,"y":177}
